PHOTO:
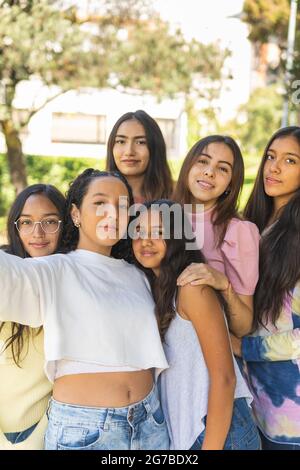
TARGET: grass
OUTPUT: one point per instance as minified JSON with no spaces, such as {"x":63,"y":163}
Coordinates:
{"x":251,"y":166}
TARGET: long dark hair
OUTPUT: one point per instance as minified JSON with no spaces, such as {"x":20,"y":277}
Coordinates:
{"x":157,"y":181}
{"x":75,"y":195}
{"x":227,"y":204}
{"x":280,"y":246}
{"x":177,"y":258}
{"x":15,"y":247}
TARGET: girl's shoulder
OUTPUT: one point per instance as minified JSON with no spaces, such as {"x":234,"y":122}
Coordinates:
{"x":239,"y":230}
{"x":190,"y":296}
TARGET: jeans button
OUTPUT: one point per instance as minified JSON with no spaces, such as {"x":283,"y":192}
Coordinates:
{"x":130,"y":415}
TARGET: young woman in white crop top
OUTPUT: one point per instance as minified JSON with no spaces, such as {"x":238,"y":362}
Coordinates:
{"x":101,"y":337}
{"x":204,"y":396}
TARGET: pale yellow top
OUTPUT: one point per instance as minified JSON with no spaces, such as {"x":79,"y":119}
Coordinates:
{"x":24,"y":391}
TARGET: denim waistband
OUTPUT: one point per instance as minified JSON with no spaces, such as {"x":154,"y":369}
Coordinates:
{"x":66,"y":413}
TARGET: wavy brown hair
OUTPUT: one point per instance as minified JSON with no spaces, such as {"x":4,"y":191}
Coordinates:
{"x":227,"y":204}
{"x":177,"y":258}
{"x":157,"y":181}
{"x":15,"y":247}
{"x":280,"y":246}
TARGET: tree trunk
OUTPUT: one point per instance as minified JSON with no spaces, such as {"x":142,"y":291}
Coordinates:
{"x":15,"y":157}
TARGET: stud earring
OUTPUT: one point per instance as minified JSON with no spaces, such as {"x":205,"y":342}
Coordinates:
{"x":77,"y":224}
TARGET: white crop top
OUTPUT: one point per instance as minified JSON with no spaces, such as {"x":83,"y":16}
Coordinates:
{"x":94,"y":309}
{"x":65,"y":367}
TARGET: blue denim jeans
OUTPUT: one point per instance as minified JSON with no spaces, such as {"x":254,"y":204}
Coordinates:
{"x":266,"y":444}
{"x":242,"y":435}
{"x":15,"y":437}
{"x":138,"y":426}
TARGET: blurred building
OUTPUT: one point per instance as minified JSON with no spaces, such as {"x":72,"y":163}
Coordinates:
{"x":78,"y":123}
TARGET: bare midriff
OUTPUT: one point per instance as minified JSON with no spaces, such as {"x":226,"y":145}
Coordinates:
{"x":104,"y":389}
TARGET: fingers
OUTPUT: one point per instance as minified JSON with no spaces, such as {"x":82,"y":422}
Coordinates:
{"x":197,"y":270}
{"x":200,"y":282}
{"x":190,"y":278}
{"x":194,"y":280}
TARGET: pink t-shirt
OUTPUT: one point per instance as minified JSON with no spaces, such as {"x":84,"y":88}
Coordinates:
{"x":238,"y":255}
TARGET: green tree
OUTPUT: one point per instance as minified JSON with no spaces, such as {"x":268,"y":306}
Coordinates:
{"x":256,"y":120}
{"x":126,"y":46}
{"x":268,"y":20}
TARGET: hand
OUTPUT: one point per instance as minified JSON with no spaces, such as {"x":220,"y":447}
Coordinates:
{"x":236,"y":345}
{"x":199,"y":273}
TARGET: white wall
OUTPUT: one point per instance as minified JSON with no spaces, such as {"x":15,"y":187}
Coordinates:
{"x":110,"y":103}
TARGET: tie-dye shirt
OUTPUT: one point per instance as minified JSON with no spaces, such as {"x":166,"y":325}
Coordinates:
{"x":273,"y":363}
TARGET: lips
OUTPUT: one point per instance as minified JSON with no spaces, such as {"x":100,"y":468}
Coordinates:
{"x":147,"y":253}
{"x":205,"y":185}
{"x":270,"y":180}
{"x":38,"y":245}
{"x":129,"y":162}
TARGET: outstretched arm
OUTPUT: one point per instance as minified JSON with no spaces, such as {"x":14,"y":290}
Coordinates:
{"x":20,"y":290}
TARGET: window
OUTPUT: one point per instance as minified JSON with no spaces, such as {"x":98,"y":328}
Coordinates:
{"x":167,"y":127}
{"x":78,"y":128}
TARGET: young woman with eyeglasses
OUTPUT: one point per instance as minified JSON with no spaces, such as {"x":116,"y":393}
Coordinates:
{"x":34,"y":230}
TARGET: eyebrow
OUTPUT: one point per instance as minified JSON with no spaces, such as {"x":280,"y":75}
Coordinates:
{"x":44,"y":215}
{"x":135,"y":137}
{"x":287,"y":153}
{"x":220,"y":161}
{"x":100,"y":194}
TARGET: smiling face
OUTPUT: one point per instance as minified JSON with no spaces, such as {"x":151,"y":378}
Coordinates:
{"x":211,"y":173}
{"x":282,"y":170}
{"x":130,"y":149}
{"x":150,"y":247}
{"x":38,"y":243}
{"x":103,"y":215}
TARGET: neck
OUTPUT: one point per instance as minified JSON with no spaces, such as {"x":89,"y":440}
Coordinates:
{"x":136,"y":182}
{"x":201,"y":206}
{"x":89,"y":245}
{"x":279,"y":203}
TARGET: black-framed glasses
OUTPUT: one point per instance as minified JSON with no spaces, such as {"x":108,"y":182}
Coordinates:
{"x":27,"y":226}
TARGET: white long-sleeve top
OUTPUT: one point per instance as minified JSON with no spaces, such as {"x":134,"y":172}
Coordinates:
{"x":93,"y":308}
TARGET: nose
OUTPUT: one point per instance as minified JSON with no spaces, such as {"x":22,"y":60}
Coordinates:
{"x":274,"y":167}
{"x":129,"y":148}
{"x":37,"y":230}
{"x":209,"y":171}
{"x":146,"y":241}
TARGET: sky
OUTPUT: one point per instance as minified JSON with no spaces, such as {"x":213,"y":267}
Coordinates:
{"x":207,"y":21}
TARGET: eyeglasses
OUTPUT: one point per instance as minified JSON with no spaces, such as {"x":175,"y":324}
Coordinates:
{"x":27,"y":226}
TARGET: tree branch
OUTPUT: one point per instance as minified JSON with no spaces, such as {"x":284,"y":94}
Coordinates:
{"x":24,"y":122}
